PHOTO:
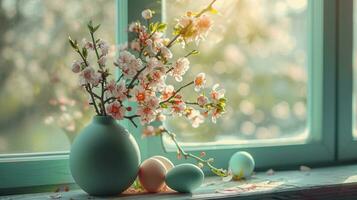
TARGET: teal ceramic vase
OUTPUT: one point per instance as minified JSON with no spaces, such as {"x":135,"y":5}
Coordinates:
{"x":104,"y":158}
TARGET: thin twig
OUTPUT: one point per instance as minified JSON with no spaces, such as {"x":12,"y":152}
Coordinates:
{"x":121,"y":76}
{"x":131,"y":84}
{"x":191,"y":103}
{"x":89,"y":90}
{"x":131,"y":118}
{"x":207,"y":162}
{"x":102,"y":73}
{"x":177,"y":91}
{"x":88,"y":86}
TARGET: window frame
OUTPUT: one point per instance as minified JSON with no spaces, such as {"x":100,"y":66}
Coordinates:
{"x":347,"y":144}
{"x":17,"y":173}
{"x":320,"y":148}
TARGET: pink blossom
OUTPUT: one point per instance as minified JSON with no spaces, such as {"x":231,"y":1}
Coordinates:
{"x":121,"y":91}
{"x":76,"y":66}
{"x":116,"y":110}
{"x":160,"y":117}
{"x":184,"y":21}
{"x":167,"y":92}
{"x":200,"y":81}
{"x":216,"y":93}
{"x":157,"y":39}
{"x":204,"y":24}
{"x":147,"y":14}
{"x":153,"y":102}
{"x":88,"y":45}
{"x":152,"y":63}
{"x":104,"y":47}
{"x":165,"y":52}
{"x":139,"y":94}
{"x":117,"y":90}
{"x":143,"y":37}
{"x":148,"y":131}
{"x":128,"y":64}
{"x":135,"y":27}
{"x":89,"y":76}
{"x":102,"y":60}
{"x":147,"y":114}
{"x":215,"y":114}
{"x":202,"y":100}
{"x":195,"y":29}
{"x":179,"y":68}
{"x":195,"y":117}
{"x":178,"y":107}
{"x":135,"y":45}
{"x":111,"y":87}
{"x":155,"y":43}
{"x":151,"y":48}
{"x":124,"y":58}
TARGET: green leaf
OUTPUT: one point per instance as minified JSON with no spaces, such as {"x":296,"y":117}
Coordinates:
{"x":151,"y":27}
{"x":213,"y":10}
{"x":222,"y":100}
{"x":84,"y":52}
{"x":90,"y":26}
{"x":161,"y":27}
{"x":164,"y":105}
{"x":72,"y":43}
{"x":195,"y":52}
{"x":219,"y":172}
{"x":96,"y":28}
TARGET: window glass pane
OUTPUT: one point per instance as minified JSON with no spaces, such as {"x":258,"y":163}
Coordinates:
{"x":41,"y":108}
{"x":257,"y":50}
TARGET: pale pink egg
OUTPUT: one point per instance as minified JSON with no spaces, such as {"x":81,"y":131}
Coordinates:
{"x":152,"y":174}
{"x":167,"y":163}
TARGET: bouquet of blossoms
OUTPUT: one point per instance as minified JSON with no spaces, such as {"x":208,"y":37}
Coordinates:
{"x":146,"y":66}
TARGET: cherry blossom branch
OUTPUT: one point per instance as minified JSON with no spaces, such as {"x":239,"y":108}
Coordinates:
{"x":208,"y":8}
{"x":193,"y":52}
{"x":121,"y":76}
{"x":173,"y":40}
{"x":102,"y":71}
{"x":177,"y":91}
{"x":110,"y":99}
{"x":131,"y":84}
{"x":131,"y":118}
{"x":89,"y":90}
{"x":87,"y":86}
{"x":208,"y":162}
{"x":168,"y":71}
{"x":191,"y":103}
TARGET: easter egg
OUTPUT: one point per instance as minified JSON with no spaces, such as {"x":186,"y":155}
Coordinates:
{"x":152,"y":175}
{"x":167,"y":163}
{"x":184,"y":178}
{"x":241,"y":164}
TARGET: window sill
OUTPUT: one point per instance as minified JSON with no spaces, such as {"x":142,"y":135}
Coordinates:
{"x":320,"y":183}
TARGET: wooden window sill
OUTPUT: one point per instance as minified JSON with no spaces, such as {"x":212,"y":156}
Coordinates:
{"x":322,"y":183}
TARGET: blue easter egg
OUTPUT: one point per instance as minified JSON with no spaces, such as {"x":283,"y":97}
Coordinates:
{"x":241,"y":164}
{"x":184,"y":178}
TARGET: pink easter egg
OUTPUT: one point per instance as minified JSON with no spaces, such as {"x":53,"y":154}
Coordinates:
{"x":152,"y":174}
{"x":167,"y":163}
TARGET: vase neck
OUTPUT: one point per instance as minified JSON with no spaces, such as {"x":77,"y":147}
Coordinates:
{"x":103,"y":119}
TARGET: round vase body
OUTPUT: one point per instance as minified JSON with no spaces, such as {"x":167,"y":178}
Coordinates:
{"x":104,"y":158}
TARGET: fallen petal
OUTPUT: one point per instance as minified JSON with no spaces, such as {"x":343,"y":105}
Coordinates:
{"x":270,"y":172}
{"x":304,"y":168}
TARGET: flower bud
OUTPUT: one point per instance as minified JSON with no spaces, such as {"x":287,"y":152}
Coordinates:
{"x":147,"y":14}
